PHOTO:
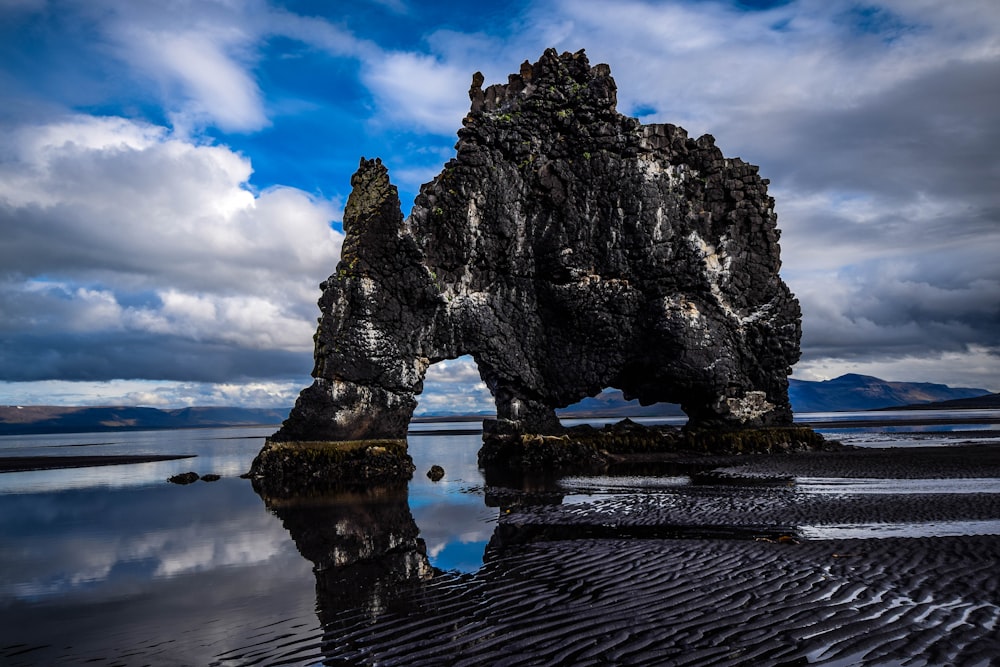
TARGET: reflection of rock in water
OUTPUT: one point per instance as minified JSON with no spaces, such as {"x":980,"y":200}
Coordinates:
{"x":363,"y":544}
{"x":608,"y":582}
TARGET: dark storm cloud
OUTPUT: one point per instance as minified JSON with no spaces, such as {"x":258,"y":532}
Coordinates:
{"x":934,"y":135}
{"x":904,"y":206}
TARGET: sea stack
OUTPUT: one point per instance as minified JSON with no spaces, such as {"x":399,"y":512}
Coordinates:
{"x":567,"y":248}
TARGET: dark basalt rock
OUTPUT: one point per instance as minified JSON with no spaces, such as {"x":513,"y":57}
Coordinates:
{"x":183,"y":478}
{"x":567,"y":248}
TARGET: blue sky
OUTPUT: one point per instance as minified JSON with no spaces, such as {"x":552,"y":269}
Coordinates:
{"x":172,"y":173}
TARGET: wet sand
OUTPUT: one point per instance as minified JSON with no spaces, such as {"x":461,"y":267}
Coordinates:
{"x":26,"y":463}
{"x":719,"y":572}
{"x":699,"y":602}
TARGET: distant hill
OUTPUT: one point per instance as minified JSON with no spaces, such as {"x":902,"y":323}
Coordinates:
{"x":987,"y":402}
{"x":25,"y":420}
{"x":611,"y":403}
{"x":862,"y":392}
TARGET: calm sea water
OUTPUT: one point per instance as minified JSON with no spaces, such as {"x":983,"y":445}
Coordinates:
{"x":114,"y":565}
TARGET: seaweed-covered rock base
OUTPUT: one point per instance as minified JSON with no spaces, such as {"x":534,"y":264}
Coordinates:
{"x":295,"y":468}
{"x":588,"y":449}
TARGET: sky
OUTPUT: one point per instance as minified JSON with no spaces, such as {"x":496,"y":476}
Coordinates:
{"x":173,"y":173}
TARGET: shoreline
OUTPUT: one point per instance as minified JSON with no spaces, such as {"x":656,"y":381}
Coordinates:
{"x":882,"y":422}
{"x":962,"y":438}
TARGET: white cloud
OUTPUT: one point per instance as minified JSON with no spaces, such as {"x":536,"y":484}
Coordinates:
{"x":419,"y":91}
{"x":454,"y":386}
{"x":108,"y":195}
{"x":216,"y":88}
{"x":706,"y":65}
{"x":318,"y":33}
{"x":246,"y":321}
{"x":462,"y":369}
{"x":118,"y":226}
{"x":197,"y":56}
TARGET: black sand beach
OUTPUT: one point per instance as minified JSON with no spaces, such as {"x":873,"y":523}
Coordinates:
{"x":723,"y":572}
{"x":701,"y":602}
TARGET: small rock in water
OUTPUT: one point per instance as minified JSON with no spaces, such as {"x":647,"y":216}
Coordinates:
{"x":435,"y":473}
{"x":210,"y":477}
{"x":184,"y":478}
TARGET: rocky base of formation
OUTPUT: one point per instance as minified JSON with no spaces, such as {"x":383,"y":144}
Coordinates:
{"x":293,"y":468}
{"x":588,"y":449}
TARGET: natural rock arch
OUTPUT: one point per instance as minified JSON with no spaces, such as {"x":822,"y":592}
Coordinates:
{"x":567,"y":248}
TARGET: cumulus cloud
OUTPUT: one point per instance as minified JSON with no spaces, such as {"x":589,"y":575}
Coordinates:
{"x":419,"y":90}
{"x":454,"y":386}
{"x":146,"y":245}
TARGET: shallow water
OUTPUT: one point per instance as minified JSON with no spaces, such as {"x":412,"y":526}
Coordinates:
{"x":116,"y":566}
{"x":886,"y":530}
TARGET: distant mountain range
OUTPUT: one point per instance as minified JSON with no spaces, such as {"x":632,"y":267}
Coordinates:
{"x":986,"y":402}
{"x":15,"y":420}
{"x":848,"y":393}
{"x":853,"y":392}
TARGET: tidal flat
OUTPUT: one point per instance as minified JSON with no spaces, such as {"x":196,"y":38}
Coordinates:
{"x":885,"y":554}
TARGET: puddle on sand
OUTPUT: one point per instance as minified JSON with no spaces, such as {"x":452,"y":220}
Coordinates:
{"x":885,"y":530}
{"x":607,"y":484}
{"x":861,"y":486}
{"x":856,"y":486}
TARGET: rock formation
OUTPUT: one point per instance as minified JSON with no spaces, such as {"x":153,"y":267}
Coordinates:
{"x":567,"y":248}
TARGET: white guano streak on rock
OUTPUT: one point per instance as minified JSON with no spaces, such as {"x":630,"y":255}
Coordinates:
{"x":691,"y":313}
{"x":454,"y":290}
{"x":654,"y":169}
{"x":751,"y":405}
{"x":717,"y":265}
{"x":370,"y":337}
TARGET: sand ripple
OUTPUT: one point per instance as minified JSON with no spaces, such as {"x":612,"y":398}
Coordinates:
{"x":717,"y":571}
{"x":700,"y":602}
